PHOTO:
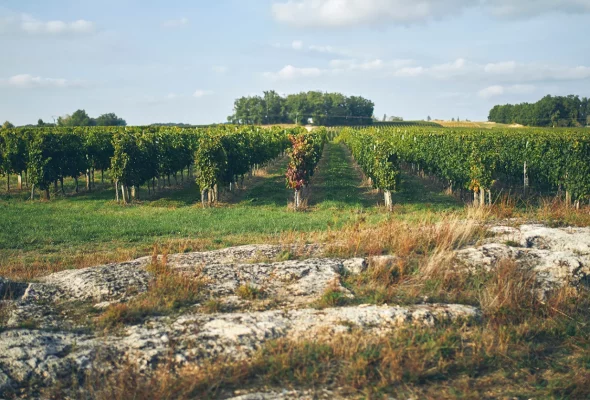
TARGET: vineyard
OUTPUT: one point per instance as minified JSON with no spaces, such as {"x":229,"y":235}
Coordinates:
{"x":477,"y":160}
{"x":188,"y":196}
{"x":463,"y":159}
{"x":214,"y":157}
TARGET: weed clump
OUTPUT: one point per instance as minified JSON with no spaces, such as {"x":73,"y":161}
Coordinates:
{"x":250,"y":292}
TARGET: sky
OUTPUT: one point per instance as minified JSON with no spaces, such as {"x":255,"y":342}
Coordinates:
{"x":188,"y":60}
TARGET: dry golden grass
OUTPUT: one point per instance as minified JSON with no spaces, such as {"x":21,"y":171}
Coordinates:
{"x":250,"y":292}
{"x":404,"y":238}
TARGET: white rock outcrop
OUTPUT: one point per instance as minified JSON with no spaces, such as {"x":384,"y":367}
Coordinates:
{"x":558,"y":256}
{"x":44,"y":356}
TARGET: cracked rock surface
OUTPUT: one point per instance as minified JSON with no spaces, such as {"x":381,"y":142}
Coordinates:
{"x":559,"y":256}
{"x":42,"y":343}
{"x":41,"y":356}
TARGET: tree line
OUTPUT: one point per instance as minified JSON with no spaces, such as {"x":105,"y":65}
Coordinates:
{"x":318,"y":108}
{"x":78,"y":118}
{"x":550,"y":111}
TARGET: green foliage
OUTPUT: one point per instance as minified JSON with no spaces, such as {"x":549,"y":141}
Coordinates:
{"x":376,"y":155}
{"x":7,"y":125}
{"x":327,"y":109}
{"x":225,"y":153}
{"x":305,"y":153}
{"x":78,"y":118}
{"x":109,"y":119}
{"x":474,"y":159}
{"x":554,"y":111}
{"x":135,"y":159}
{"x":81,"y":118}
{"x":41,"y":124}
{"x":44,"y":158}
{"x":12,"y":152}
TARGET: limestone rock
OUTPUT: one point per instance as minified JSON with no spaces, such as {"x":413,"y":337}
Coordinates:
{"x":99,"y":284}
{"x":559,"y":256}
{"x":354,"y":266}
{"x":240,"y":254}
{"x":47,"y":356}
{"x":293,"y":281}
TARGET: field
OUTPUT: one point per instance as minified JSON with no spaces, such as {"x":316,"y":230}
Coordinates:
{"x":513,"y":330}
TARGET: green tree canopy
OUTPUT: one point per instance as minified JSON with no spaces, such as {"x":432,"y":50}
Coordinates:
{"x":78,"y":118}
{"x":7,"y":125}
{"x":110,"y":119}
{"x":549,"y":111}
{"x":322,"y":108}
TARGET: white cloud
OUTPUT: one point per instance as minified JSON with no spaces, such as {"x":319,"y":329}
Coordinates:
{"x":498,"y":90}
{"x":342,"y":13}
{"x":536,"y":72}
{"x":506,"y":71}
{"x":202,"y":93}
{"x":25,"y":23}
{"x":507,"y":67}
{"x":220,"y":69}
{"x":346,"y":13}
{"x":457,"y":68}
{"x":290,"y":72}
{"x":300,"y":46}
{"x":408,"y":72}
{"x":331,"y":50}
{"x":368,"y":65}
{"x":175,"y":23}
{"x":297,"y":44}
{"x":26,"y":81}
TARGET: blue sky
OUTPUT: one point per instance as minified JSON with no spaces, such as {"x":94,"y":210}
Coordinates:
{"x":186,"y":61}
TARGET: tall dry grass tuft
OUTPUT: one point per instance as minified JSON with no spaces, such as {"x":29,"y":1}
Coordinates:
{"x":403,"y":238}
{"x":504,"y":207}
{"x":555,"y":211}
{"x":511,"y":294}
{"x":448,"y":236}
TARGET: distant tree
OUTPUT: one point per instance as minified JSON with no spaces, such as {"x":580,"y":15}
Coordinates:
{"x":458,"y":120}
{"x":453,"y":119}
{"x":43,"y":124}
{"x":395,"y":119}
{"x":323,"y":108}
{"x":428,"y":118}
{"x":109,"y":119}
{"x":78,"y":118}
{"x":7,"y":125}
{"x":274,"y":107}
{"x":549,"y":111}
{"x":384,"y":117}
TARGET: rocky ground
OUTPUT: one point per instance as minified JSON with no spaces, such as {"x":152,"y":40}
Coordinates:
{"x":48,"y":336}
